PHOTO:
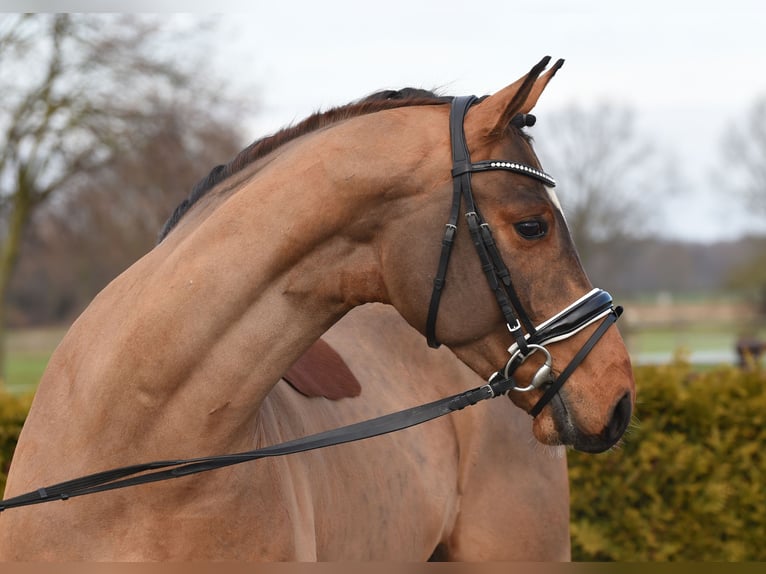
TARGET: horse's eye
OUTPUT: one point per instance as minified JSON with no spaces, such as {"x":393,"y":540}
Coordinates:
{"x":532,"y":229}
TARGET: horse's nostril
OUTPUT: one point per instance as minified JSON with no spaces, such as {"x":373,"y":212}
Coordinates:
{"x":620,"y":419}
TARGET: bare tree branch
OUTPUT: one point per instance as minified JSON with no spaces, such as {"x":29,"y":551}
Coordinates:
{"x":77,"y":88}
{"x":744,"y":151}
{"x":743,"y":175}
{"x":611,"y":177}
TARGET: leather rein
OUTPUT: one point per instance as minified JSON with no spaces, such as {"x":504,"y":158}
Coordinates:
{"x":594,"y":306}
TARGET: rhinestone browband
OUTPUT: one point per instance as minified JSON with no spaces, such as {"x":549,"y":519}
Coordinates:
{"x":521,"y":168}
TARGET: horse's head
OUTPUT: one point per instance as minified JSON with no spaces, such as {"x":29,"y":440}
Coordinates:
{"x":505,"y":215}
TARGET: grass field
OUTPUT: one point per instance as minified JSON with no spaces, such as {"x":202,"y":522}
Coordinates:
{"x":704,"y":344}
{"x":28,"y":353}
{"x":658,"y":340}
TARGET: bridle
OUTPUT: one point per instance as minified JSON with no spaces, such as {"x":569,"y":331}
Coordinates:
{"x":585,"y":311}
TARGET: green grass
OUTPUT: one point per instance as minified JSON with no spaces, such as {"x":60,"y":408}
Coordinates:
{"x":24,"y":372}
{"x":704,"y":345}
{"x":666,"y":339}
{"x":27,"y":355}
{"x":30,"y":349}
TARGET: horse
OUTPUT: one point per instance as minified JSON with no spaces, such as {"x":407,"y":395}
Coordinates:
{"x":482,"y":473}
{"x":266,"y":255}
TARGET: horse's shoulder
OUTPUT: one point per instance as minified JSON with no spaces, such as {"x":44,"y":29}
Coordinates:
{"x":322,"y":372}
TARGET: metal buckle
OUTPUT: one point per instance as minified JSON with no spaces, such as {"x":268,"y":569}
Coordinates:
{"x":515,"y":328}
{"x":491,"y":390}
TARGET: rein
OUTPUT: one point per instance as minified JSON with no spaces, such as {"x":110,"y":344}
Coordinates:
{"x":156,"y":471}
{"x":585,"y":311}
{"x":165,"y":470}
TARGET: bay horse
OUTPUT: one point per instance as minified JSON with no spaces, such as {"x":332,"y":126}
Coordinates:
{"x":184,"y":352}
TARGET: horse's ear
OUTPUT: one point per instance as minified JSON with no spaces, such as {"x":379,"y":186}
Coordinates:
{"x":519,"y":98}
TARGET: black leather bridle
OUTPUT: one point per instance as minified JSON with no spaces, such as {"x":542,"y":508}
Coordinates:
{"x":585,"y":311}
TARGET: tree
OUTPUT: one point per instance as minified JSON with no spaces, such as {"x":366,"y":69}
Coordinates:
{"x":611,"y":179}
{"x":744,"y":152}
{"x":76,"y":89}
{"x":80,"y":241}
{"x":743,"y":173}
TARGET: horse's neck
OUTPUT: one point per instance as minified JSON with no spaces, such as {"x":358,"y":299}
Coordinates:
{"x":203,"y":326}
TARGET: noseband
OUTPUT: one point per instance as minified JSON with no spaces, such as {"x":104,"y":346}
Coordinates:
{"x":585,"y":311}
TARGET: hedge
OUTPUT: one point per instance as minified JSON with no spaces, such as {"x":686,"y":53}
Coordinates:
{"x":688,"y":482}
{"x":13,"y":411}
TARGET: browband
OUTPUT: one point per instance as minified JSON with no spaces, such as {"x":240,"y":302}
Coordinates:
{"x":493,"y":164}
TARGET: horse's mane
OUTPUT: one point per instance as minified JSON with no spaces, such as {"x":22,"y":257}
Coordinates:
{"x":383,"y":100}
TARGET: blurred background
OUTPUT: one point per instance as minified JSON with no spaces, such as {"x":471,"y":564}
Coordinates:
{"x":655,"y":129}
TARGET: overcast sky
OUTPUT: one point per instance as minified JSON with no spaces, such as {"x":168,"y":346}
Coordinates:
{"x":689,"y":68}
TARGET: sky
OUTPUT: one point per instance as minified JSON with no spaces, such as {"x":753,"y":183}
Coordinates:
{"x":689,"y":69}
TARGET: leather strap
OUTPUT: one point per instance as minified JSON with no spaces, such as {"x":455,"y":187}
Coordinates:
{"x":551,"y":391}
{"x":576,"y":317}
{"x":490,"y":165}
{"x":494,"y":268}
{"x":168,"y":469}
{"x":458,"y":109}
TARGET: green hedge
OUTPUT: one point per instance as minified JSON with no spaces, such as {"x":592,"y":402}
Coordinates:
{"x":687,"y":483}
{"x":13,"y":411}
{"x":689,"y":480}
